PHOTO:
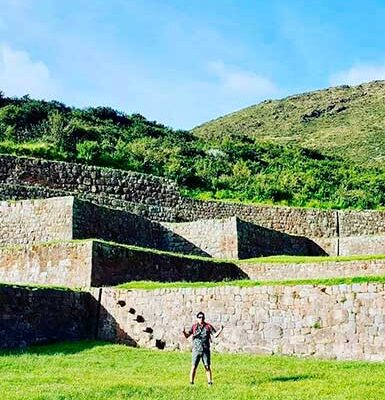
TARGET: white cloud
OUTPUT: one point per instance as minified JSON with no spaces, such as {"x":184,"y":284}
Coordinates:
{"x":20,"y":75}
{"x":241,"y":82}
{"x":358,"y":74}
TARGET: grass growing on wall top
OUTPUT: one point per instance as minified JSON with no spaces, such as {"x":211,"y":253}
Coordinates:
{"x":39,"y":287}
{"x":283,"y":259}
{"x":96,"y":370}
{"x":151,"y":285}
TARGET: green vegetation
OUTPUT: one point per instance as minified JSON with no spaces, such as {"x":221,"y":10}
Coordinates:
{"x":342,"y":121}
{"x":40,"y":287}
{"x":303,"y":151}
{"x":152,"y":285}
{"x":308,"y":259}
{"x":95,"y":370}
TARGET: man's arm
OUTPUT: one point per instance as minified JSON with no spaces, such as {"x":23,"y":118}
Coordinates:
{"x":218,"y":332}
{"x":187,"y":334}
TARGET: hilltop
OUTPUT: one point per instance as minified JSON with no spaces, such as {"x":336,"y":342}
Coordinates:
{"x":341,"y":121}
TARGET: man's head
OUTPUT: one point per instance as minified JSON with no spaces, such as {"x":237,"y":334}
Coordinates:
{"x":201,"y":316}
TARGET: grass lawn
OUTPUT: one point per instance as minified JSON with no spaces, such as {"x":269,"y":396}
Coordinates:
{"x":95,"y":370}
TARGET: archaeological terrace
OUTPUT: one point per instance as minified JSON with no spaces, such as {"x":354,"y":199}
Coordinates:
{"x":89,"y":229}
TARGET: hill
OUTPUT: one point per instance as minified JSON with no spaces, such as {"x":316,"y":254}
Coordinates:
{"x":341,"y":121}
{"x":271,"y":167}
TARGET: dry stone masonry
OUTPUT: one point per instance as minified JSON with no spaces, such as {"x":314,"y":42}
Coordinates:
{"x":342,"y":321}
{"x":38,"y":316}
{"x":312,"y":270}
{"x":335,"y":232}
{"x":64,"y":202}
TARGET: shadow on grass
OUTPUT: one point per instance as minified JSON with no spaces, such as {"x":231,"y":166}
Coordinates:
{"x":291,"y":378}
{"x":61,"y":348}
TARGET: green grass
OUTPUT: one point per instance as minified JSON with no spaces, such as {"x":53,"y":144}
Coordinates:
{"x":308,"y":259}
{"x":41,"y":287}
{"x":95,"y":370}
{"x":34,"y":149}
{"x":354,"y":132}
{"x":151,"y":285}
{"x":281,"y":259}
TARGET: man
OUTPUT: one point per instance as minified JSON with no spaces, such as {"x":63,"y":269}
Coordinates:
{"x":201,"y":332}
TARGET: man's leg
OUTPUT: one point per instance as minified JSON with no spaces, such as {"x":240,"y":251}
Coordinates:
{"x":192,"y":373}
{"x":206,"y":358}
{"x":195,"y":361}
{"x":209,"y":374}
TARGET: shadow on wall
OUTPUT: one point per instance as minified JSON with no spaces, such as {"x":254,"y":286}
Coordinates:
{"x":37,"y":317}
{"x":95,"y":221}
{"x":107,"y":328}
{"x":257,"y":241}
{"x":113,"y":265}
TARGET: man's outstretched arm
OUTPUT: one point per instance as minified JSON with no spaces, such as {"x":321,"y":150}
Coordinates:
{"x":186,"y":334}
{"x":218,"y":332}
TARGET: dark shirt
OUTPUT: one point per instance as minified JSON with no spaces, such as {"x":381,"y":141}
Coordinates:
{"x":201,"y":336}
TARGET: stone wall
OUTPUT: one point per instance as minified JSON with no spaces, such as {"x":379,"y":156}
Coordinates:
{"x":311,"y":223}
{"x":36,"y":220}
{"x":95,"y":263}
{"x":64,"y":264}
{"x":315,"y":270}
{"x":256,"y":241}
{"x":355,"y":245}
{"x":117,"y":264}
{"x":35,"y":191}
{"x":342,"y":321}
{"x":66,"y":218}
{"x":39,"y":316}
{"x":94,"y":221}
{"x":217,"y":238}
{"x":160,"y":200}
{"x":131,"y":186}
{"x":358,"y":223}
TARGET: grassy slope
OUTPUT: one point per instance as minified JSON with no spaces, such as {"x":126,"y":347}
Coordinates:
{"x":92,"y":370}
{"x":350,"y":121}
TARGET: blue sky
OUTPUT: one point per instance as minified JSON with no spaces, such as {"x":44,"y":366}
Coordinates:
{"x":186,"y":62}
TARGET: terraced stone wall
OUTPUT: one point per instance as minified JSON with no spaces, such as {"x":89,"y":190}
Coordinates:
{"x":94,"y":263}
{"x":36,"y":220}
{"x":62,"y":264}
{"x":66,"y":218}
{"x":336,"y":232}
{"x":256,"y":241}
{"x":113,"y":265}
{"x":217,"y":237}
{"x":39,"y":316}
{"x":130,"y":186}
{"x":342,"y":321}
{"x":320,"y":270}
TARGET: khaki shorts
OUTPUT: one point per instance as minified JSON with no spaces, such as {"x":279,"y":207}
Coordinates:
{"x":204,"y":355}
